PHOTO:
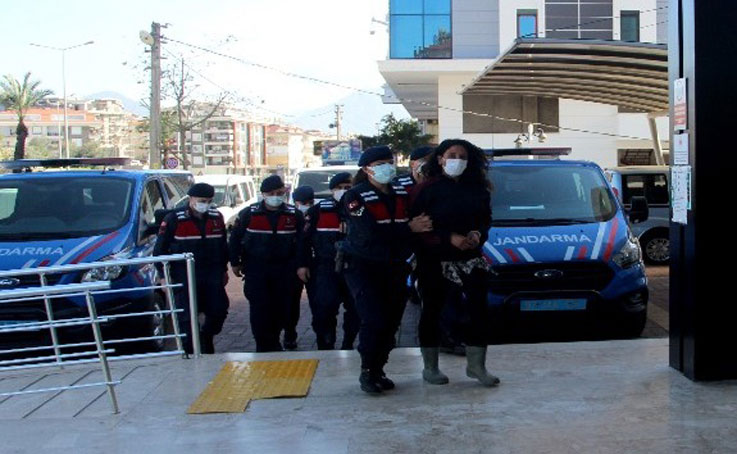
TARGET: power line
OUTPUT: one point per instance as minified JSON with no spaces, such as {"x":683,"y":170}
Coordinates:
{"x":404,"y":100}
{"x":581,"y":24}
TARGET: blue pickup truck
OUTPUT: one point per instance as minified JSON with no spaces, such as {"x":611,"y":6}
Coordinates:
{"x":61,"y":217}
{"x":560,"y":243}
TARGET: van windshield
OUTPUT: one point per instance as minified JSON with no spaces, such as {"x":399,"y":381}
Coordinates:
{"x":319,"y":181}
{"x":534,"y":195}
{"x":50,"y":208}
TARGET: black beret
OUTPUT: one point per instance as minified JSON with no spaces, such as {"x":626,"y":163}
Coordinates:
{"x":340,"y":178}
{"x":375,"y":154}
{"x":201,"y":190}
{"x":303,"y":194}
{"x":421,"y":152}
{"x":271,"y":183}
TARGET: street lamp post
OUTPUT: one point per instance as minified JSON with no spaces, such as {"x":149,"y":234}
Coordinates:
{"x":63,"y":51}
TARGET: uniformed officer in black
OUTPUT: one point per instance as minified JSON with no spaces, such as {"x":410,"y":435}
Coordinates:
{"x":304,"y":199}
{"x":263,"y":246}
{"x":417,"y":160}
{"x":324,"y":228}
{"x":376,"y":249}
{"x":198,"y":228}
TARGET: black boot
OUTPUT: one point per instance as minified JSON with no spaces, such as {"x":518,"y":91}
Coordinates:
{"x":383,"y":381}
{"x":207,"y":343}
{"x":369,"y":382}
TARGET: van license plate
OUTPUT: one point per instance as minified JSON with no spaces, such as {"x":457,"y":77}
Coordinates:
{"x":575,"y":304}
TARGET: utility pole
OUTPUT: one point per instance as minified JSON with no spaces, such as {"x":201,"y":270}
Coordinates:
{"x":338,"y":119}
{"x":155,"y":114}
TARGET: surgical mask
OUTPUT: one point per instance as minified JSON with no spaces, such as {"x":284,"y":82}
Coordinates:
{"x":274,"y":200}
{"x":303,"y":208}
{"x":338,"y":194}
{"x":383,"y":173}
{"x":455,"y":167}
{"x":201,"y":207}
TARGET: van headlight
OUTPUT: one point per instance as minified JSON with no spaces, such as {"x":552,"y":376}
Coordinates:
{"x":630,"y":253}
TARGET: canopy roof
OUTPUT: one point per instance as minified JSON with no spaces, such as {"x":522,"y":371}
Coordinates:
{"x":629,"y":75}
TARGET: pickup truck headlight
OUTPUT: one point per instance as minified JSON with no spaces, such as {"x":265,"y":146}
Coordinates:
{"x":630,"y":253}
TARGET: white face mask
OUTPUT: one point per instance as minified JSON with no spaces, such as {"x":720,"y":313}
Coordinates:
{"x":303,"y":208}
{"x":274,"y":200}
{"x":338,"y":194}
{"x":201,"y":207}
{"x":455,"y":167}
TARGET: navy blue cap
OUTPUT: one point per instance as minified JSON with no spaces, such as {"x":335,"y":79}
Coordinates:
{"x":375,"y":154}
{"x":340,"y":178}
{"x":303,"y":194}
{"x":201,"y":190}
{"x":421,"y":152}
{"x":271,"y":183}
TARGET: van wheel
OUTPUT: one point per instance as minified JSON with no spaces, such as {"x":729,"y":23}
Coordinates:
{"x":656,"y":247}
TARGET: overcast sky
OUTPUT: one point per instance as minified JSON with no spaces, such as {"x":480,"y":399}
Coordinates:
{"x":326,"y":39}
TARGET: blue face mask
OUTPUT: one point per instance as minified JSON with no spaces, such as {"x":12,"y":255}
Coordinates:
{"x":383,"y":173}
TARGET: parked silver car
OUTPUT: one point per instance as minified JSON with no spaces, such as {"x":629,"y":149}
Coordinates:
{"x":651,"y":182}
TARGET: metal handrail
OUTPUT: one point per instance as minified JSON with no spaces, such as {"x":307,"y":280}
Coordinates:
{"x":88,"y":290}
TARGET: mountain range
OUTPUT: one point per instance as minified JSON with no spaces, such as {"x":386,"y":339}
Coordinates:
{"x":361,"y":112}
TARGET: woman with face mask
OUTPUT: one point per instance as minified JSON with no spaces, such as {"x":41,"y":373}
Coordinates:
{"x":264,"y":245}
{"x":375,"y":252}
{"x":450,"y":266}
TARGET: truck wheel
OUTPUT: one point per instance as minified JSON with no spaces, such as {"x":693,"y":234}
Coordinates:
{"x":656,"y":247}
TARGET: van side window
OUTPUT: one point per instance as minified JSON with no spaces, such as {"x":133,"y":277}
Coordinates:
{"x":246,"y":191}
{"x":632,"y":186}
{"x":658,"y":190}
{"x":236,"y":195}
{"x":654,"y":187}
{"x":171,"y":192}
{"x":150,"y":202}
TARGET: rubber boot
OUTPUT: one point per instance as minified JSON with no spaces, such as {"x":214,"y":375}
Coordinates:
{"x":476,"y":357}
{"x":431,"y":373}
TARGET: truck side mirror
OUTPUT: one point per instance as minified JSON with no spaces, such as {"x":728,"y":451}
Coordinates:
{"x":639,"y":212}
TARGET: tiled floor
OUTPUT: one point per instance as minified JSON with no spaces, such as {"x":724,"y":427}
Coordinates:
{"x":585,"y":397}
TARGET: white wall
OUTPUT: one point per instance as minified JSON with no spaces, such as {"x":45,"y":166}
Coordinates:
{"x":573,"y":114}
{"x":474,"y":28}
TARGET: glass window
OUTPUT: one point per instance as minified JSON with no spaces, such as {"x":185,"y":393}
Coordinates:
{"x":532,"y":195}
{"x":657,"y":193}
{"x":76,"y":130}
{"x":437,"y":7}
{"x":634,"y":186}
{"x":407,"y":6}
{"x":526,"y":24}
{"x":420,"y":29}
{"x":406,"y":36}
{"x":630,"y":26}
{"x":151,"y":201}
{"x":37,"y":130}
{"x":246,"y":192}
{"x":32,"y":209}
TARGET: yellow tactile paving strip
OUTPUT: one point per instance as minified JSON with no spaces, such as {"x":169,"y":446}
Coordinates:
{"x":237,"y":383}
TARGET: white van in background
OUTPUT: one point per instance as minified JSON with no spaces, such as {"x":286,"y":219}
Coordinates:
{"x":232,"y":193}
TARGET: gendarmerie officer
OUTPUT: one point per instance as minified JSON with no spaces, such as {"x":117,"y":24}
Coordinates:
{"x":200,"y":229}
{"x":324,"y":228}
{"x":263,"y":250}
{"x":417,"y":160}
{"x":304,"y":199}
{"x":376,"y":249}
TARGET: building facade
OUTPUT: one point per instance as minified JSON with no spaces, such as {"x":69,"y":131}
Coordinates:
{"x":101,"y":126}
{"x":438,"y":47}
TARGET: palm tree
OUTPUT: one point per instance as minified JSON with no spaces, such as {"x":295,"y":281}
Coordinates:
{"x":19,"y":97}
